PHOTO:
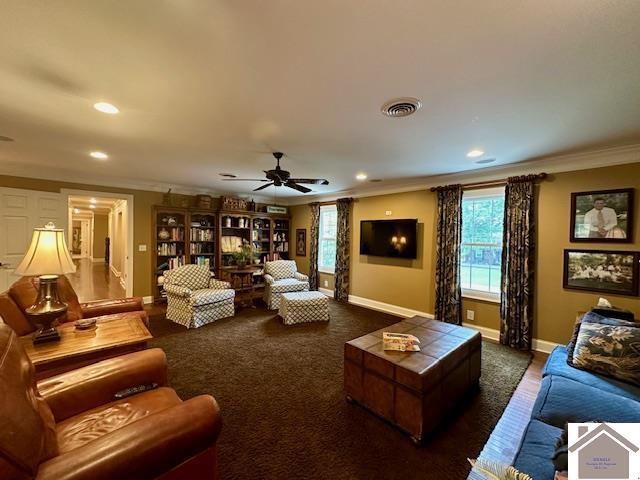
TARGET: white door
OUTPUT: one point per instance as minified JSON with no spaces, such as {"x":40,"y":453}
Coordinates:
{"x":20,"y":212}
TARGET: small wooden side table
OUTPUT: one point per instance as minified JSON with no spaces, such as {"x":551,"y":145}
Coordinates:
{"x":110,"y":337}
{"x":242,"y":283}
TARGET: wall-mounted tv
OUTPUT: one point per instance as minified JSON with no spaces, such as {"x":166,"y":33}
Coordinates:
{"x":389,"y":238}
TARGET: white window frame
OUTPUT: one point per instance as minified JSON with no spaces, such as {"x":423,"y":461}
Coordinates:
{"x":325,"y":268}
{"x":469,"y":292}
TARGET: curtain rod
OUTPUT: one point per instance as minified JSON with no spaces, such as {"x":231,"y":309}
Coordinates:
{"x":493,"y":183}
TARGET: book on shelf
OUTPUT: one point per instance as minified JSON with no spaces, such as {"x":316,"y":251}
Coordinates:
{"x":169,"y":249}
{"x":202,"y":235}
{"x":203,"y":261}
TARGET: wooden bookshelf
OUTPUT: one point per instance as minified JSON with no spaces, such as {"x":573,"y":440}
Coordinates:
{"x":207,"y":237}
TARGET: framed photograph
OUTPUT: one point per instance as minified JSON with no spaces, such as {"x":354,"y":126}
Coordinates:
{"x":604,"y":216}
{"x":606,"y":271}
{"x":301,"y":242}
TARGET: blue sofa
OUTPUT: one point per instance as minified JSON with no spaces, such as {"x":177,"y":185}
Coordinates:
{"x":569,"y":395}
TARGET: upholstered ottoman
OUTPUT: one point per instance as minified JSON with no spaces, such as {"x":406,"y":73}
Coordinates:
{"x":413,"y":390}
{"x":301,"y":307}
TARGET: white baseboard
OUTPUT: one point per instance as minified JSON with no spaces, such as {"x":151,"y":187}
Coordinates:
{"x":490,"y":333}
{"x":387,"y":307}
{"x":97,"y":260}
{"x":493,"y":334}
{"x":147,"y":300}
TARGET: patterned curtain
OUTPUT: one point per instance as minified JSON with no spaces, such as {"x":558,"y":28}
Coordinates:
{"x":341,"y":288}
{"x":518,"y":256}
{"x":313,"y":245}
{"x":449,"y":236}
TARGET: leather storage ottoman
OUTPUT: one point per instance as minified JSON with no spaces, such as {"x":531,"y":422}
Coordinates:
{"x":413,"y":390}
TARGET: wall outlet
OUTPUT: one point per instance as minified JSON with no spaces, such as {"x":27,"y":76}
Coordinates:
{"x":471,"y":315}
{"x":325,"y":283}
{"x":142,"y":248}
{"x":388,"y":213}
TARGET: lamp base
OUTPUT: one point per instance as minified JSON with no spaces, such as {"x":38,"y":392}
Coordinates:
{"x":46,"y":310}
{"x":46,"y":335}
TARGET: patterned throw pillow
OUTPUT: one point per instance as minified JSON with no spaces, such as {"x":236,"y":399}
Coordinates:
{"x":594,"y":317}
{"x":611,"y":350}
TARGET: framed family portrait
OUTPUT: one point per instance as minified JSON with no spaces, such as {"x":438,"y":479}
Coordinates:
{"x":301,"y":242}
{"x":607,"y":271}
{"x":604,"y":216}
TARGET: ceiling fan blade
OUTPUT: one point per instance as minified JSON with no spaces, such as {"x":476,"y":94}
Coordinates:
{"x":244,"y":180}
{"x":295,"y":186}
{"x":262,"y":186}
{"x":311,"y":181}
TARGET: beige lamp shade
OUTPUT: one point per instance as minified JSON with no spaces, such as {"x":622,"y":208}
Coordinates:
{"x":47,"y":255}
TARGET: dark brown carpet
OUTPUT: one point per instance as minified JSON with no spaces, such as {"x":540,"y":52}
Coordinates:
{"x":280,"y":392}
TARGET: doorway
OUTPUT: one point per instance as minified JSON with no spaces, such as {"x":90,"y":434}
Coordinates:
{"x":102,"y":237}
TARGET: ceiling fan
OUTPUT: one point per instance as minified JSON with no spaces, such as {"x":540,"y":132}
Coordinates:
{"x":279,"y":177}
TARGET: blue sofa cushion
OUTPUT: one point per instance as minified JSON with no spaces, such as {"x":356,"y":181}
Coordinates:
{"x":557,"y":365}
{"x":562,"y":400}
{"x":537,"y":450}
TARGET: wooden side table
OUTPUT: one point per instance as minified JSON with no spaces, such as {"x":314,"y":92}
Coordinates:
{"x":110,"y":337}
{"x":242,"y":283}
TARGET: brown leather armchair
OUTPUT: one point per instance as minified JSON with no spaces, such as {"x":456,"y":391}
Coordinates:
{"x":70,"y":427}
{"x":23,"y":293}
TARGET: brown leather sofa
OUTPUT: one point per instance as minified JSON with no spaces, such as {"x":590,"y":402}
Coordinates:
{"x":23,"y":293}
{"x":70,"y":427}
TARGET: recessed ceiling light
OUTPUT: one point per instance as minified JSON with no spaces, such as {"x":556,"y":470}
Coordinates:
{"x":475,"y":153}
{"x":5,"y":139}
{"x":92,"y":206}
{"x":93,"y":200}
{"x":76,"y":210}
{"x":484,"y":161}
{"x":105,"y":107}
{"x":361,"y":176}
{"x":99,"y":155}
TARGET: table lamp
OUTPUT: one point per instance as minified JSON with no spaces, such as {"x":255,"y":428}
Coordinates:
{"x":48,"y":257}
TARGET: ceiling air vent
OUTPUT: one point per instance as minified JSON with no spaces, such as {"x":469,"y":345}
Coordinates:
{"x":401,"y":107}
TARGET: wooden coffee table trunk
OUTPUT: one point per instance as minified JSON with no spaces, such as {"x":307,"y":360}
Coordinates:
{"x":413,"y":390}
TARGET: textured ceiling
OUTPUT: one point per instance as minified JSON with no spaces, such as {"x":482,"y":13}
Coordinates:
{"x":213,"y":86}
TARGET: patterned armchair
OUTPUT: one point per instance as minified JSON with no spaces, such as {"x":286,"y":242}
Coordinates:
{"x":195,"y":298}
{"x":281,"y":276}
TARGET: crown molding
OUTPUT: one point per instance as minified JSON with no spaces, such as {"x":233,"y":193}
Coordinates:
{"x":551,"y":164}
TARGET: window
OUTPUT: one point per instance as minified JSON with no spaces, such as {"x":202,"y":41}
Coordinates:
{"x":481,"y":248}
{"x":327,"y":239}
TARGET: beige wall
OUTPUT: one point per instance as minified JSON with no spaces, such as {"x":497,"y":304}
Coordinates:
{"x":143,"y":201}
{"x":410,"y":284}
{"x":100,"y":232}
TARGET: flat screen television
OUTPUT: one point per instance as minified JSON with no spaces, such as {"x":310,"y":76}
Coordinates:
{"x":389,"y":238}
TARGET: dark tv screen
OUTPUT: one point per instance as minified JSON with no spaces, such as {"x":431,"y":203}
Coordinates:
{"x":389,"y":238}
